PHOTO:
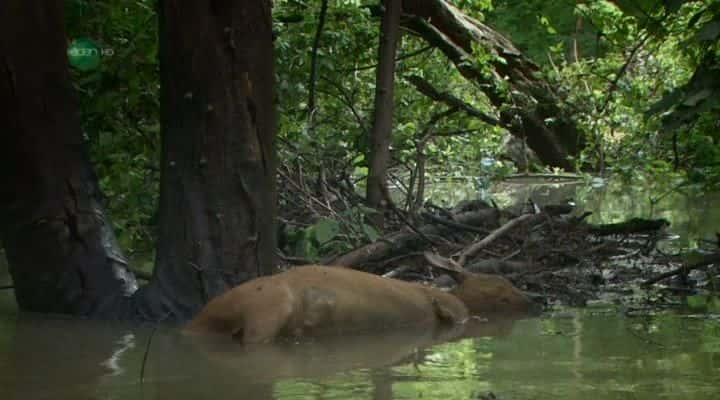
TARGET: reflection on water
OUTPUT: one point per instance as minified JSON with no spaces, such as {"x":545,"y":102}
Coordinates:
{"x":7,"y":299}
{"x":570,"y":356}
{"x":693,"y":214}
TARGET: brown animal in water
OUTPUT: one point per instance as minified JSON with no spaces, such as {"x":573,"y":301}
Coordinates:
{"x":315,"y":300}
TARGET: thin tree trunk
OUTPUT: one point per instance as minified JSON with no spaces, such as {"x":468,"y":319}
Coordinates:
{"x":62,"y":253}
{"x":576,"y":38}
{"x":379,"y":156}
{"x":217,"y":198}
{"x":314,"y":60}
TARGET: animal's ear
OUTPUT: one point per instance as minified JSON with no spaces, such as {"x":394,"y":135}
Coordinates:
{"x":448,"y":265}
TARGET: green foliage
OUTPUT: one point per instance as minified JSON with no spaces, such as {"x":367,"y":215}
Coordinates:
{"x":119,"y":103}
{"x":332,"y":236}
{"x":642,"y":85}
{"x":536,"y":25}
{"x":618,"y":99}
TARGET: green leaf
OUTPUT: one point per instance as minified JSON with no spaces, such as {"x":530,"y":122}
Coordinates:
{"x":325,"y":230}
{"x":371,"y":233}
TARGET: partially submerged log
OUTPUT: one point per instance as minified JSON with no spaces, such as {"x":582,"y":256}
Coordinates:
{"x":633,"y":225}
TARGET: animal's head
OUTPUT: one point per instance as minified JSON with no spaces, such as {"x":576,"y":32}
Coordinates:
{"x":485,"y":294}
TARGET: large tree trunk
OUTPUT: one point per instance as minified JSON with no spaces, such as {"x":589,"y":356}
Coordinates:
{"x":217,"y":191}
{"x":536,"y":115}
{"x":381,"y":133}
{"x":217,"y":201}
{"x":61,"y":250}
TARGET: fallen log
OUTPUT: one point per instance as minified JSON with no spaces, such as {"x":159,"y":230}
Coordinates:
{"x":633,"y":225}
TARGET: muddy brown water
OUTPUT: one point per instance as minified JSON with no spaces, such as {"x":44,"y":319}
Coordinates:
{"x":568,"y":354}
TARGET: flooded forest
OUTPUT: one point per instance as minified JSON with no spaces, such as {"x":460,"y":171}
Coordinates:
{"x":360,"y":199}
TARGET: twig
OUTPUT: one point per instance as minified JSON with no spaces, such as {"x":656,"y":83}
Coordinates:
{"x":474,"y":248}
{"x":398,"y":213}
{"x":613,"y":85}
{"x":299,"y":188}
{"x":8,"y":287}
{"x":147,"y":353}
{"x":398,"y":58}
{"x":425,"y":88}
{"x":401,"y":256}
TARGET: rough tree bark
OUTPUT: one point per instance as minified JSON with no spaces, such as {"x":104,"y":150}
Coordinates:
{"x":217,"y":116}
{"x":549,"y":131}
{"x":217,"y":200}
{"x":380,"y":135}
{"x":61,"y":250}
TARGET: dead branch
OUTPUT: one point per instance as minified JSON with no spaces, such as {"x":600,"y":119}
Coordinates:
{"x":499,"y":232}
{"x":427,"y":89}
{"x":443,"y":263}
{"x":409,"y":241}
{"x":633,"y":225}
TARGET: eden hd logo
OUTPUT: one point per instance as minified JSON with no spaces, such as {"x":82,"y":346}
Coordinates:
{"x":85,"y":55}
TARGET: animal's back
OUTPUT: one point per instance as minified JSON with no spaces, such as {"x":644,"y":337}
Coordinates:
{"x":317,"y":300}
{"x":345,"y":299}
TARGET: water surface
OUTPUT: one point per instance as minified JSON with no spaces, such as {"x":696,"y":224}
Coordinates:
{"x":572,"y":355}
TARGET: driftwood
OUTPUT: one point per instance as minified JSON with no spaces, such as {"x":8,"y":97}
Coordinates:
{"x":634,"y":225}
{"x":410,"y":241}
{"x":477,"y":246}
